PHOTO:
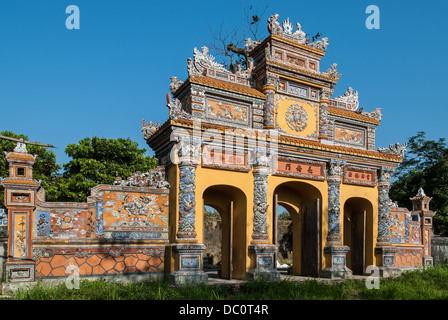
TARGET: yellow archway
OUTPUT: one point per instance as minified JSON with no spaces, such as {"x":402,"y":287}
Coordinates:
{"x":231,"y":204}
{"x":358,"y":233}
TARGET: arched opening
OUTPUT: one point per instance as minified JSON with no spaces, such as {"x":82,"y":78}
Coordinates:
{"x":303,"y":203}
{"x":283,"y":238}
{"x":230,"y":202}
{"x":212,"y":239}
{"x":358,"y":233}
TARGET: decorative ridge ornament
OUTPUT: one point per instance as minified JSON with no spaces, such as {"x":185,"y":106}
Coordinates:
{"x":420,"y":193}
{"x":20,"y":147}
{"x":251,"y":44}
{"x":286,"y":30}
{"x":332,"y":72}
{"x":149,"y":128}
{"x":204,"y":65}
{"x":175,"y":108}
{"x":202,"y":60}
{"x":349,"y":99}
{"x":395,"y":149}
{"x":175,"y":84}
{"x":320,"y":44}
{"x":375,"y":114}
{"x":153,"y":178}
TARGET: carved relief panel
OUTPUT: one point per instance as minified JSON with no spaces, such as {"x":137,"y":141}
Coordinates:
{"x":350,"y":135}
{"x":226,"y":110}
{"x":297,"y":116}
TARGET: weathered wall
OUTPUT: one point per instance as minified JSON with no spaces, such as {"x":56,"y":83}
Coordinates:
{"x":439,"y":250}
{"x":121,"y":229}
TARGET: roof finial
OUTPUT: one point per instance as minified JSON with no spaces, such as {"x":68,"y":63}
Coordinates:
{"x":20,"y":147}
{"x":421,"y":193}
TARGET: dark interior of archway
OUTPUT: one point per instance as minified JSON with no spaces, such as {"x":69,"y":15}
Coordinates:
{"x":284,"y":234}
{"x":212,"y":238}
{"x":356,"y":219}
{"x":302,"y":201}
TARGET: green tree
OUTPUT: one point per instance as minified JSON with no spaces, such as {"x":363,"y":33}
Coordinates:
{"x":99,"y":161}
{"x":424,"y":165}
{"x":45,"y":169}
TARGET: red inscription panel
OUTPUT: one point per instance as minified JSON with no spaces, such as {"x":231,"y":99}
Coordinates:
{"x":355,"y":175}
{"x":235,"y":160}
{"x":301,"y":168}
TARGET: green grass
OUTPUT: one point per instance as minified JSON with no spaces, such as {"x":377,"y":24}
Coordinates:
{"x":428,"y":284}
{"x":431,"y":283}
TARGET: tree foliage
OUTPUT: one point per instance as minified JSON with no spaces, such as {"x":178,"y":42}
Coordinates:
{"x":424,"y":165}
{"x":99,"y":161}
{"x":94,"y":161}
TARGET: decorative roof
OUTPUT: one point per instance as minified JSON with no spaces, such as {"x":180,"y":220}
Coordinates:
{"x":335,"y":148}
{"x":204,"y":64}
{"x":234,"y":87}
{"x":20,"y":154}
{"x":274,"y":60}
{"x":349,"y":100}
{"x":20,"y":157}
{"x":299,"y":36}
{"x":421,"y":195}
{"x":353,"y":115}
{"x":19,"y":181}
{"x":303,"y":70}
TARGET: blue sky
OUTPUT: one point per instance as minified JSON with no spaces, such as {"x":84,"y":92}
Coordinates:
{"x":59,"y":86}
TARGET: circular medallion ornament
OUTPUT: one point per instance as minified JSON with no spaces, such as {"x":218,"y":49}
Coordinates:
{"x":296,"y":117}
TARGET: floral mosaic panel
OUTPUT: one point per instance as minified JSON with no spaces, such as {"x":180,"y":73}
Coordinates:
{"x":403,"y":230}
{"x":65,"y":223}
{"x":20,"y":236}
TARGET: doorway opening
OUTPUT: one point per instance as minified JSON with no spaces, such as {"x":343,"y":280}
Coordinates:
{"x":303,"y":203}
{"x":230,"y":245}
{"x":358,"y":234}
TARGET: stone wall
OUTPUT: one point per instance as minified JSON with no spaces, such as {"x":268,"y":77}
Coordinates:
{"x":439,"y":250}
